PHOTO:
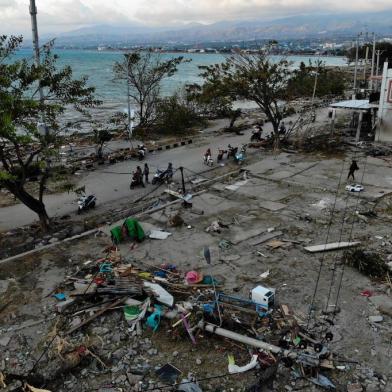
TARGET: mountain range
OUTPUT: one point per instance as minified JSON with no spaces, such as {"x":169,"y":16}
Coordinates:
{"x":295,"y":27}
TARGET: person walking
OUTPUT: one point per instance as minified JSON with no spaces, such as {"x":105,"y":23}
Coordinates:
{"x":353,"y":168}
{"x":146,"y":172}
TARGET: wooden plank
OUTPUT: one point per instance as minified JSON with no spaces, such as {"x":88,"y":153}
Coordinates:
{"x":331,"y":246}
{"x":99,"y":313}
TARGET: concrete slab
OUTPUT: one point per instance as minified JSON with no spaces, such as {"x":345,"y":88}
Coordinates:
{"x":280,"y":175}
{"x":271,"y":205}
{"x":265,"y":237}
{"x":238,"y":235}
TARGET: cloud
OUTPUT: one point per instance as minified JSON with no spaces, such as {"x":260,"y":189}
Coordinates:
{"x":57,"y":16}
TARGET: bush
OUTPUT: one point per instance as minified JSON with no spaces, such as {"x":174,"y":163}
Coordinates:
{"x":175,"y":115}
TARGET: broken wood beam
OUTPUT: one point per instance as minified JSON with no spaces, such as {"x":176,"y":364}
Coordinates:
{"x":94,"y":316}
{"x":330,"y":246}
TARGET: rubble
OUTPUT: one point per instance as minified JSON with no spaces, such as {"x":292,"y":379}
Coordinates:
{"x":118,"y":312}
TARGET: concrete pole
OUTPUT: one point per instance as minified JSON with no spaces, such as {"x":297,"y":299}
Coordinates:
{"x":365,"y":65}
{"x":356,"y":64}
{"x":34,"y":29}
{"x":373,"y":59}
{"x":358,"y":135}
{"x":246,"y":340}
{"x":129,"y":103}
{"x":378,"y":53}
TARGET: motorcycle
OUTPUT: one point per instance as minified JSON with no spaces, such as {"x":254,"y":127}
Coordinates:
{"x":208,"y":160}
{"x":136,"y":181}
{"x":256,"y":136}
{"x":141,"y":151}
{"x":240,"y":155}
{"x":160,"y":177}
{"x":86,"y":202}
{"x":232,"y":151}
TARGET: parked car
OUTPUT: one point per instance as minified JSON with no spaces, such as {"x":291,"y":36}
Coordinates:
{"x":354,"y":188}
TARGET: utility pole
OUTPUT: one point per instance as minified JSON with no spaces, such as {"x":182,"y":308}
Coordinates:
{"x":373,"y":59}
{"x":365,"y":65}
{"x":378,"y":54}
{"x":356,"y":63}
{"x":129,"y":102}
{"x":37,"y":59}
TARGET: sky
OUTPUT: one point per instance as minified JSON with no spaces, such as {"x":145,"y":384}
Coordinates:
{"x":57,"y":16}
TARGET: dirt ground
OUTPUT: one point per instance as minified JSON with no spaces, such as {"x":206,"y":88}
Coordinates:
{"x":294,"y":194}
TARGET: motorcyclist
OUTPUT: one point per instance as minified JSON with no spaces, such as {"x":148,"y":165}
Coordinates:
{"x":256,"y":135}
{"x":137,"y":177}
{"x":282,"y":128}
{"x":141,"y":150}
{"x":169,"y":171}
{"x":207,"y":155}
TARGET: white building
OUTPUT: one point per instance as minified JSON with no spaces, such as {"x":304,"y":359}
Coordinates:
{"x":384,"y":128}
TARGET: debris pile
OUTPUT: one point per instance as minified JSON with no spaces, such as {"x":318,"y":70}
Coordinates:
{"x":104,"y":308}
{"x":369,"y":263}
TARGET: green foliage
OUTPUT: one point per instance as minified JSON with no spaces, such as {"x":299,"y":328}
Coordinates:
{"x":329,"y":81}
{"x":24,"y":146}
{"x":144,"y":73}
{"x":175,"y":115}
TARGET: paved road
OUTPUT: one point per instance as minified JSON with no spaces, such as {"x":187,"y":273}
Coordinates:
{"x":110,"y":187}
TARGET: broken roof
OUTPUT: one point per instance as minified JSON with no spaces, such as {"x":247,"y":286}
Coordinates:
{"x":353,"y":104}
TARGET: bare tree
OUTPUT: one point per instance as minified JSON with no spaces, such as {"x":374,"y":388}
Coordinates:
{"x":144,"y":72}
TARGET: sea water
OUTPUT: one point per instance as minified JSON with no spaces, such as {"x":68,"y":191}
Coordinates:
{"x":98,"y":67}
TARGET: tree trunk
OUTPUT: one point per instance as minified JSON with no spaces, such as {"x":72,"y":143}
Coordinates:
{"x":31,"y":202}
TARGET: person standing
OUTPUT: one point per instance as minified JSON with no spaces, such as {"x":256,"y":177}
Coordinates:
{"x":146,"y":172}
{"x":353,"y":168}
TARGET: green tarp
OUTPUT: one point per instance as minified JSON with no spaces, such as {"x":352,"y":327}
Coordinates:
{"x":135,"y":230}
{"x":131,"y":229}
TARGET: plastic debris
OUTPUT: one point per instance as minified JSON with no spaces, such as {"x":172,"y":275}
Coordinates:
{"x":162,"y":295}
{"x":233,"y":368}
{"x":188,"y":386}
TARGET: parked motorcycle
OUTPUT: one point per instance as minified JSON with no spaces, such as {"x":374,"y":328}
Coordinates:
{"x":86,"y":202}
{"x":160,"y":177}
{"x":136,"y":181}
{"x":256,"y":136}
{"x":240,"y":155}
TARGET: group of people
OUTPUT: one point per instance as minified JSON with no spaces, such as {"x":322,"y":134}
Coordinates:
{"x":138,"y":174}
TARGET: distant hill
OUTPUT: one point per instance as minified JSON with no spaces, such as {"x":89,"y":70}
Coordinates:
{"x":296,"y":27}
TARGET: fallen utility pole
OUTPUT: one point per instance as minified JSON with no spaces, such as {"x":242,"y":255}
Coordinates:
{"x":246,"y":340}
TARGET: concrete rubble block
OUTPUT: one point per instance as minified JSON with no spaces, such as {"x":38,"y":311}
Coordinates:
{"x":376,"y":319}
{"x":4,"y":340}
{"x":383,"y":303}
{"x":243,"y":235}
{"x":354,"y":387}
{"x":61,"y":306}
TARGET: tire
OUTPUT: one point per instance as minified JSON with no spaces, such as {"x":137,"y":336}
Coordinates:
{"x":79,"y":211}
{"x":93,"y":204}
{"x":318,"y":347}
{"x":154,"y":181}
{"x":329,"y":336}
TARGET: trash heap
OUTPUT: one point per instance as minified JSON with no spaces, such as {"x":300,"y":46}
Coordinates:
{"x":119,"y":299}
